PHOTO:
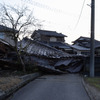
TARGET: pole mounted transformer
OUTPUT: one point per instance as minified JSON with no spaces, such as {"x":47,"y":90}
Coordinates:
{"x":92,"y":43}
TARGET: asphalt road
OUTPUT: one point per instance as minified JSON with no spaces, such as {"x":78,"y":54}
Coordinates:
{"x":53,"y":87}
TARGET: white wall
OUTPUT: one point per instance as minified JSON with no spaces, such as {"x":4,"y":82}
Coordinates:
{"x":53,"y":39}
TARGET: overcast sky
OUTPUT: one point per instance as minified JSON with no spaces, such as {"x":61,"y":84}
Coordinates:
{"x":69,"y":17}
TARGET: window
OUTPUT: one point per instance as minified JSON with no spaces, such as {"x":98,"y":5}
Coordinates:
{"x":53,"y":39}
{"x":1,"y":35}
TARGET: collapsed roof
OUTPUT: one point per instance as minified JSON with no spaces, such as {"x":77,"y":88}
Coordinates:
{"x":50,"y":59}
{"x":40,"y":49}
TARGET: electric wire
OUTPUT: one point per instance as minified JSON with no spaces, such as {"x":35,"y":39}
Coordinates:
{"x":80,"y":14}
{"x":41,"y":5}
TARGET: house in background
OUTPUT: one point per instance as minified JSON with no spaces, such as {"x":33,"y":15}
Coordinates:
{"x":79,"y":50}
{"x":48,"y":36}
{"x":82,"y":46}
{"x":5,"y":34}
{"x":52,"y":38}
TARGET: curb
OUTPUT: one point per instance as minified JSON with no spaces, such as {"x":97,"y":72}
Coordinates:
{"x":87,"y":90}
{"x":91,"y":91}
{"x":25,"y":79}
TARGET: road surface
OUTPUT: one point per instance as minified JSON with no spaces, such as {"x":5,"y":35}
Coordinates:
{"x":53,"y":87}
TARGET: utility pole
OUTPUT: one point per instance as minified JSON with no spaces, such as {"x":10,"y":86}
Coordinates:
{"x":92,"y":50}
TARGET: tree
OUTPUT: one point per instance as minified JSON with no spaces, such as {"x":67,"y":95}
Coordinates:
{"x":21,"y":21}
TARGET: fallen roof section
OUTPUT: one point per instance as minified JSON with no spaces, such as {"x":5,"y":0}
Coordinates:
{"x":51,"y":59}
{"x":45,"y":57}
{"x":41,"y":49}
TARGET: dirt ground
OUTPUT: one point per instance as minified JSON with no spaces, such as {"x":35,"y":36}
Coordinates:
{"x":7,"y":82}
{"x":8,"y":79}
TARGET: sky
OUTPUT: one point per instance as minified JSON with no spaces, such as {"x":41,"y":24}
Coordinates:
{"x":69,"y":17}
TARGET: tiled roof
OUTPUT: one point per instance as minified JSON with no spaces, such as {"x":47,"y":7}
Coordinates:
{"x":41,"y":49}
{"x":4,"y":42}
{"x":80,"y":48}
{"x":6,"y":29}
{"x":85,"y":42}
{"x":60,"y":45}
{"x":49,"y":33}
{"x":81,"y":38}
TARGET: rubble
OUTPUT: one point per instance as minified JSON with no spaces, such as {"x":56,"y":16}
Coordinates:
{"x":50,"y":59}
{"x":40,"y":49}
{"x":45,"y":57}
{"x":8,"y":57}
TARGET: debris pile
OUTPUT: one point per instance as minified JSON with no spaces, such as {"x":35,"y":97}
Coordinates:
{"x":7,"y":55}
{"x":45,"y":57}
{"x":50,"y":59}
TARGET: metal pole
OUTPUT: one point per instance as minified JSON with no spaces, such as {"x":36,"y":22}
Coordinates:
{"x":92,"y":50}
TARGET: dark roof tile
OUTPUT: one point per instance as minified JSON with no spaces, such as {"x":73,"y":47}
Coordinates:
{"x":59,"y":45}
{"x":85,"y":42}
{"x":6,"y":29}
{"x":49,"y":33}
{"x":40,"y":49}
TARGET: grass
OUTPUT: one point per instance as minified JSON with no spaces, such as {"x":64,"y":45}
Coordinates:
{"x":10,"y":79}
{"x":95,"y":82}
{"x":8,"y":82}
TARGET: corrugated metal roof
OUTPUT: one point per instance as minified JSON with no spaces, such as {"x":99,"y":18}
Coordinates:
{"x":63,"y":62}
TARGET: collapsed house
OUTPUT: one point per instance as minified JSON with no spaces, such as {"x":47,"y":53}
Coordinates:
{"x":6,"y":34}
{"x":81,"y":46}
{"x":48,"y":56}
{"x":50,"y":59}
{"x":7,"y":55}
{"x":53,"y":39}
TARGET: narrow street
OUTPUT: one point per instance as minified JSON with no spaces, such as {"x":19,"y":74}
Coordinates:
{"x":53,"y":87}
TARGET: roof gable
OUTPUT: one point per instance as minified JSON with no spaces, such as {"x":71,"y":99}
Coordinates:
{"x":81,"y":38}
{"x":6,"y":29}
{"x":85,"y":42}
{"x":49,"y":33}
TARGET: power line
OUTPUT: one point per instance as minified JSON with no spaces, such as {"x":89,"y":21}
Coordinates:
{"x":47,"y":7}
{"x":41,"y":5}
{"x":80,"y":15}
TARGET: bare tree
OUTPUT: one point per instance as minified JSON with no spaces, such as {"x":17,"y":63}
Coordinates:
{"x":21,"y":21}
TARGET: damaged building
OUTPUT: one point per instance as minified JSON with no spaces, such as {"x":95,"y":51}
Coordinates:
{"x":81,"y":46}
{"x":50,"y":59}
{"x":7,"y":55}
{"x":47,"y":50}
{"x":53,"y":39}
{"x":6,"y":34}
